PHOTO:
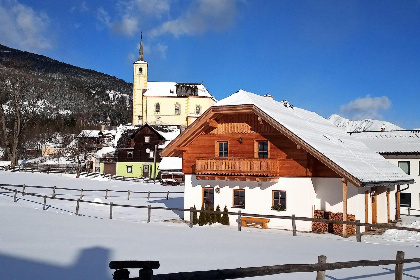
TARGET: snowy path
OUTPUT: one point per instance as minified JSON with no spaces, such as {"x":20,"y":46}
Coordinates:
{"x":52,"y":244}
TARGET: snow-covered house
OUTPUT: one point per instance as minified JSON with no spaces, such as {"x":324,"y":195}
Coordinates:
{"x":250,"y":153}
{"x":136,"y":150}
{"x":401,"y":148}
{"x":90,"y":141}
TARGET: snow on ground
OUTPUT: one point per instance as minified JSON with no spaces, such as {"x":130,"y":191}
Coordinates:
{"x":57,"y":244}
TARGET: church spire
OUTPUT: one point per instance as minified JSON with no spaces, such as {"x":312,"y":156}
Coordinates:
{"x":141,"y":58}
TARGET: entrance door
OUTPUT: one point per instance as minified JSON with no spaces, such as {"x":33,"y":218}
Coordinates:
{"x":146,"y":172}
{"x":374,"y":206}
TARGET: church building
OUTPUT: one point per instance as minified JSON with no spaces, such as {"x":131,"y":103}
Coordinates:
{"x":166,"y":103}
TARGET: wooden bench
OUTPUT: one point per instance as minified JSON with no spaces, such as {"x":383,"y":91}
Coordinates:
{"x":246,"y":221}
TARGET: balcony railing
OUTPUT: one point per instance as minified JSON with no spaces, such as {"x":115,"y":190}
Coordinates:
{"x":237,"y":166}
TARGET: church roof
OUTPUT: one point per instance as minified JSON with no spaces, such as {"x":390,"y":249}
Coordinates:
{"x":172,"y":89}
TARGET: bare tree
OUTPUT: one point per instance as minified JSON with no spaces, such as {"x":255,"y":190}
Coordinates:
{"x":18,"y":95}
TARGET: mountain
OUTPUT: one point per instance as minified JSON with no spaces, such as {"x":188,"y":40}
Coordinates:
{"x":68,"y":92}
{"x":361,"y":125}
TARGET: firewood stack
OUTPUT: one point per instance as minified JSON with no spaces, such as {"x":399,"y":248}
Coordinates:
{"x":334,"y":228}
{"x":319,"y":227}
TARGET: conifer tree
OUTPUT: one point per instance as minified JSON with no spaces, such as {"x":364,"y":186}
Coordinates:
{"x":195,"y":218}
{"x":218,"y":215}
{"x":225,"y":217}
{"x":202,"y":218}
{"x":212,"y":217}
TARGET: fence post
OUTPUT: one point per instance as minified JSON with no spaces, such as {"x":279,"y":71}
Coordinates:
{"x":239,"y":221}
{"x":128,"y":195}
{"x":167,"y":196}
{"x":320,"y":275}
{"x":399,"y":266}
{"x":358,"y":234}
{"x":23,"y":190}
{"x":45,"y":203}
{"x":294,"y":224}
{"x":15,"y":196}
{"x":149,"y":212}
{"x":408,"y":209}
{"x":148,"y":195}
{"x":191,"y":216}
{"x":53,"y":195}
{"x":110,"y":210}
{"x":81,"y":194}
{"x":77,"y":207}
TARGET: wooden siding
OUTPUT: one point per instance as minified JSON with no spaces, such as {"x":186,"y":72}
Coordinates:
{"x":139,"y":147}
{"x":285,"y":158}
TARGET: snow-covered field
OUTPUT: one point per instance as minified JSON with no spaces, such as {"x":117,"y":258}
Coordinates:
{"x":57,"y":244}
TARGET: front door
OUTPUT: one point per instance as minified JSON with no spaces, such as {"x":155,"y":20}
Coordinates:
{"x":146,"y":172}
{"x":374,"y":206}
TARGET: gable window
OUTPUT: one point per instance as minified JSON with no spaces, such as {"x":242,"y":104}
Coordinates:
{"x":279,"y":201}
{"x":405,"y":166}
{"x":223,"y":149}
{"x":262,"y":149}
{"x":197,"y":109}
{"x":146,"y":139}
{"x":157,"y":108}
{"x":129,"y":154}
{"x":208,"y":197}
{"x":239,"y":198}
{"x":177,"y":109}
{"x":129,"y":169}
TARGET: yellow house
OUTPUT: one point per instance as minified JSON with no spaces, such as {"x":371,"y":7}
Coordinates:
{"x":166,"y":103}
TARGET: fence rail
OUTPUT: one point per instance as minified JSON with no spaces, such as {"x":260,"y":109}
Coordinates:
{"x":293,"y":218}
{"x":146,"y":269}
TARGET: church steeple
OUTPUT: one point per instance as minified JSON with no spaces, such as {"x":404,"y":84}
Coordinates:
{"x":141,"y":57}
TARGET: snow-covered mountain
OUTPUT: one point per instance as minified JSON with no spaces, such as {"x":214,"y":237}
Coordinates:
{"x":361,"y":125}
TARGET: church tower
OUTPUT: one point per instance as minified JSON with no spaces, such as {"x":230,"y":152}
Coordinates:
{"x":139,"y":87}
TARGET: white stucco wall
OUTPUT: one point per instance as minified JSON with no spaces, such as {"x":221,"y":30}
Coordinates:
{"x":303,"y":195}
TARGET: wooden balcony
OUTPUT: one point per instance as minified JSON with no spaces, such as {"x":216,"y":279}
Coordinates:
{"x":239,"y":169}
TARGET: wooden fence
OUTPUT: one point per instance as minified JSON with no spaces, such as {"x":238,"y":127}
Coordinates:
{"x":191,"y":211}
{"x":146,"y":269}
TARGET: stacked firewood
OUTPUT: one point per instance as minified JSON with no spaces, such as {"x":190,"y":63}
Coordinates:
{"x":320,"y":227}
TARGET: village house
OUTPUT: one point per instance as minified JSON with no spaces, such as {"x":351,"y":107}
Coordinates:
{"x":166,"y":103}
{"x":260,"y":156}
{"x":138,"y":152}
{"x":401,"y":148}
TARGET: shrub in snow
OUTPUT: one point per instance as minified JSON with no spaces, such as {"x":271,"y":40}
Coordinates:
{"x":225,"y":217}
{"x":218,"y":215}
{"x":195,"y":218}
{"x":202,"y":218}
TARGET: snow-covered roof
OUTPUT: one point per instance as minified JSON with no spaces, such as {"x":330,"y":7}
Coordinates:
{"x":395,"y":142}
{"x":169,"y":133}
{"x":170,"y":163}
{"x":169,"y":89}
{"x":95,"y":133}
{"x":345,"y":151}
{"x":361,"y":125}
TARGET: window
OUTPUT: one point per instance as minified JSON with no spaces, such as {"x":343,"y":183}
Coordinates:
{"x":146,"y":139}
{"x":129,"y":154}
{"x":129,"y":169}
{"x":208,"y":197}
{"x":177,"y":109}
{"x":223,"y":149}
{"x":140,"y":70}
{"x":405,"y":166}
{"x":157,"y":108}
{"x":197,"y":109}
{"x":405,"y":199}
{"x":239,"y":198}
{"x":279,"y":201}
{"x":263,"y":149}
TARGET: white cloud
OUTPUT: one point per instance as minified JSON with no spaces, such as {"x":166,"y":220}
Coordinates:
{"x":22,"y":27}
{"x":201,"y":16}
{"x":365,"y":108}
{"x":127,"y":26}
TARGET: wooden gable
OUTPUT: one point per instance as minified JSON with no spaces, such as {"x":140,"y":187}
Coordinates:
{"x":242,"y":131}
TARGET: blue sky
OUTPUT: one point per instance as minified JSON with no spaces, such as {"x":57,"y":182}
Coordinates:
{"x":358,"y":59}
